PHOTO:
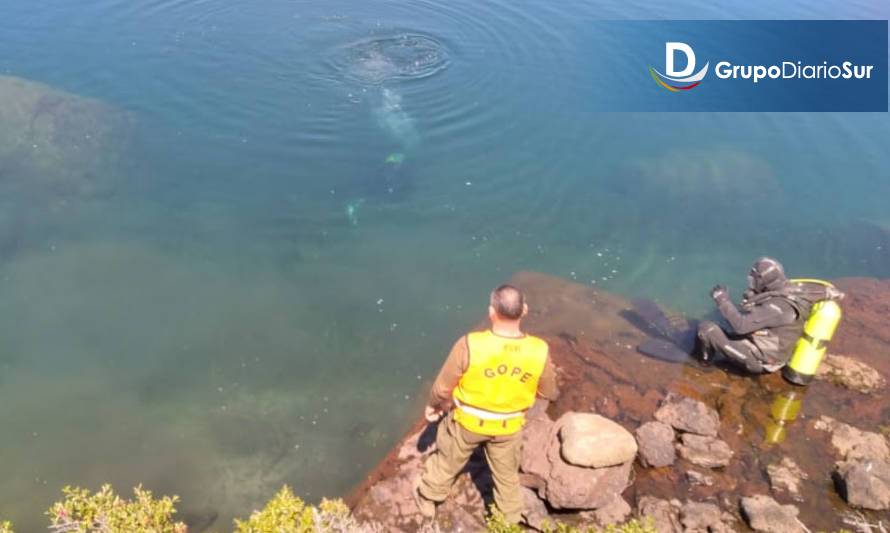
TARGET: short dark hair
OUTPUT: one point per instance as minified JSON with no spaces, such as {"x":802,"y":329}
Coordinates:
{"x":508,"y":302}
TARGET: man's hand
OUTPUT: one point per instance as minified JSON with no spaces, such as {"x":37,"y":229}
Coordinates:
{"x":719,"y":293}
{"x":432,"y":414}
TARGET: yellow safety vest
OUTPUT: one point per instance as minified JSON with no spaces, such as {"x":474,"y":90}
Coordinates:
{"x":500,"y":382}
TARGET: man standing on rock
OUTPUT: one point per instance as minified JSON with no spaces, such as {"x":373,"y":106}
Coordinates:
{"x":491,"y":378}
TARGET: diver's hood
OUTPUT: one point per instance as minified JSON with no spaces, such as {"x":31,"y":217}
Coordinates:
{"x":766,"y":275}
{"x":801,"y":291}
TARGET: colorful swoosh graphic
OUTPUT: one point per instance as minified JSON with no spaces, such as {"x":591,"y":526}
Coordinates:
{"x":671,"y":88}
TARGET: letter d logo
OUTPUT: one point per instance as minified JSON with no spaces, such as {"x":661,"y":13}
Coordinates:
{"x":670,"y":50}
{"x":683,"y":80}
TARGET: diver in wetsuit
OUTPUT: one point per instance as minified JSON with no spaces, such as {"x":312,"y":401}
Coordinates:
{"x":766,"y":329}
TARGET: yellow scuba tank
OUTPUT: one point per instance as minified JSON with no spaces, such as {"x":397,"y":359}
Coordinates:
{"x":783,"y":411}
{"x":817,"y":332}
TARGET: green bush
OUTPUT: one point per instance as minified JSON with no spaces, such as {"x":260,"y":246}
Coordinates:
{"x":287,"y":513}
{"x":496,"y":524}
{"x":5,"y":527}
{"x":106,"y":512}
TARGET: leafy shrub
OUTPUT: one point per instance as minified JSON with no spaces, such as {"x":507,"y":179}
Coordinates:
{"x":5,"y":527}
{"x":496,"y":524}
{"x":287,"y":513}
{"x":106,"y":512}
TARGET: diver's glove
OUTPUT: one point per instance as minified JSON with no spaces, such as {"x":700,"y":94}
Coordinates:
{"x":719,"y":293}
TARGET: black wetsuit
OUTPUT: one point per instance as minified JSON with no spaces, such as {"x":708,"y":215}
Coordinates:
{"x":763,"y":334}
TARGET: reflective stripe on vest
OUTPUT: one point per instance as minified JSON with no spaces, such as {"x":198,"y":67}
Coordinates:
{"x":501,"y":381}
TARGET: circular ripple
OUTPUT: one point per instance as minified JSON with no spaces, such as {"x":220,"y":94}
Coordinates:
{"x":380,"y":59}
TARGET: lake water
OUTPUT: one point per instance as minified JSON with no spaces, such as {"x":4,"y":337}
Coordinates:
{"x":312,"y":200}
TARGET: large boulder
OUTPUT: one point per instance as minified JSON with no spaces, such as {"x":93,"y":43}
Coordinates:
{"x":686,"y":414}
{"x":708,"y":452}
{"x":864,"y":483}
{"x":577,"y":487}
{"x":766,"y":514}
{"x":656,"y":444}
{"x":593,"y":441}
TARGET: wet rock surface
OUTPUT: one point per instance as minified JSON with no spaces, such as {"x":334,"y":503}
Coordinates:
{"x":852,"y":443}
{"x":593,"y":441}
{"x":701,"y":517}
{"x":656,"y":443}
{"x":762,"y":419}
{"x":691,"y":416}
{"x":786,"y":476}
{"x":709,"y":452}
{"x":851,"y":373}
{"x":766,"y":514}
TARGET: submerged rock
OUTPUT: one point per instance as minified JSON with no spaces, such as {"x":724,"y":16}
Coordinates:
{"x":786,"y":476}
{"x":656,"y":444}
{"x":695,"y":477}
{"x":56,"y":142}
{"x":665,"y":515}
{"x":594,"y":441}
{"x":701,"y":517}
{"x":850,"y":373}
{"x":709,"y":452}
{"x":766,"y":514}
{"x":864,"y":483}
{"x":686,"y":414}
{"x":853,"y":443}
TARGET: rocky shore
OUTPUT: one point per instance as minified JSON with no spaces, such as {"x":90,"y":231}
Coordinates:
{"x":693,"y":447}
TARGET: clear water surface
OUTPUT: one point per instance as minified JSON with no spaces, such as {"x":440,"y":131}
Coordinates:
{"x":312,"y":200}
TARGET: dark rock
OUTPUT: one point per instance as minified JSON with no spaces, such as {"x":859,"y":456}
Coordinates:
{"x":708,"y":452}
{"x":864,"y":483}
{"x":575,"y":487}
{"x":614,"y":512}
{"x":536,"y":436}
{"x":686,"y":414}
{"x":766,"y":514}
{"x":535,"y":513}
{"x":656,"y":442}
{"x":700,"y":517}
{"x":593,"y":441}
{"x":665,"y":515}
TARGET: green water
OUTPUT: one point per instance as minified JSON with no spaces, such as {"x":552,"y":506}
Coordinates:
{"x":191,"y":304}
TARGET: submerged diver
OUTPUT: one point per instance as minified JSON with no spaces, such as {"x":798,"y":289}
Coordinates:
{"x":773,"y":313}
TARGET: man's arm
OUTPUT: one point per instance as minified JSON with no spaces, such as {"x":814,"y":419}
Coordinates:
{"x":455,"y":366}
{"x":760,"y":317}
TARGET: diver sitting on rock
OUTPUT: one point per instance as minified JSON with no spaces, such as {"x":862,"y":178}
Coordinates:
{"x":771,"y":320}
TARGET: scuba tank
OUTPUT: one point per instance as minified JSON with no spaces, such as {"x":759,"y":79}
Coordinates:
{"x":817,"y":332}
